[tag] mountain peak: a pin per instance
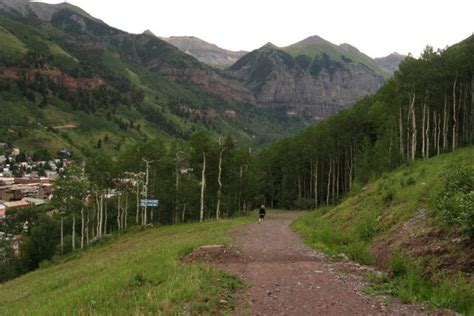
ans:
(148, 32)
(205, 52)
(314, 40)
(43, 11)
(269, 45)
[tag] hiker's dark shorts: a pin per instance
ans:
(262, 216)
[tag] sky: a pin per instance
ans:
(375, 27)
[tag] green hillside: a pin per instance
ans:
(136, 273)
(394, 222)
(67, 85)
(316, 47)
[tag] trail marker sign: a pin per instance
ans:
(149, 203)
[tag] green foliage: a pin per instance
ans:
(9, 265)
(409, 284)
(364, 218)
(40, 244)
(455, 199)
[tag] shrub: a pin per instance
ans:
(388, 197)
(367, 227)
(455, 201)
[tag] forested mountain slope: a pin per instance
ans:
(311, 78)
(70, 80)
(426, 109)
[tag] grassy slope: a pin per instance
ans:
(137, 273)
(250, 127)
(9, 44)
(394, 212)
(336, 53)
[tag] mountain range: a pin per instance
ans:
(60, 66)
(205, 52)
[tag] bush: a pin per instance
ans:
(455, 200)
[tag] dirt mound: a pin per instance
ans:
(215, 254)
(443, 250)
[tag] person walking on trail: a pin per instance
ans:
(261, 213)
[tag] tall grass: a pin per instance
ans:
(138, 273)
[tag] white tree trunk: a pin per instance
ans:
(73, 231)
(316, 167)
(119, 223)
(454, 115)
(203, 186)
(414, 128)
(183, 214)
(329, 183)
(137, 215)
(423, 124)
(82, 227)
(62, 234)
(427, 133)
(219, 182)
(445, 123)
(400, 128)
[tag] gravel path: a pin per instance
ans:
(288, 278)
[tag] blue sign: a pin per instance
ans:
(149, 203)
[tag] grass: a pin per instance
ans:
(376, 212)
(137, 273)
(9, 44)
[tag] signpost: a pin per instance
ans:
(149, 203)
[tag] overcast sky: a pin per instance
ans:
(376, 27)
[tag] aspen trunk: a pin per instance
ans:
(329, 183)
(423, 124)
(414, 129)
(454, 127)
(219, 182)
(203, 185)
(126, 211)
(316, 184)
(137, 215)
(337, 178)
(82, 227)
(351, 166)
(119, 223)
(62, 234)
(73, 231)
(333, 182)
(445, 123)
(105, 213)
(183, 214)
(427, 133)
(400, 128)
(87, 227)
(438, 136)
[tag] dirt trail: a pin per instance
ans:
(288, 278)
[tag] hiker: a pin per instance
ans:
(261, 213)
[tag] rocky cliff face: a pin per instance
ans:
(318, 87)
(205, 52)
(390, 63)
